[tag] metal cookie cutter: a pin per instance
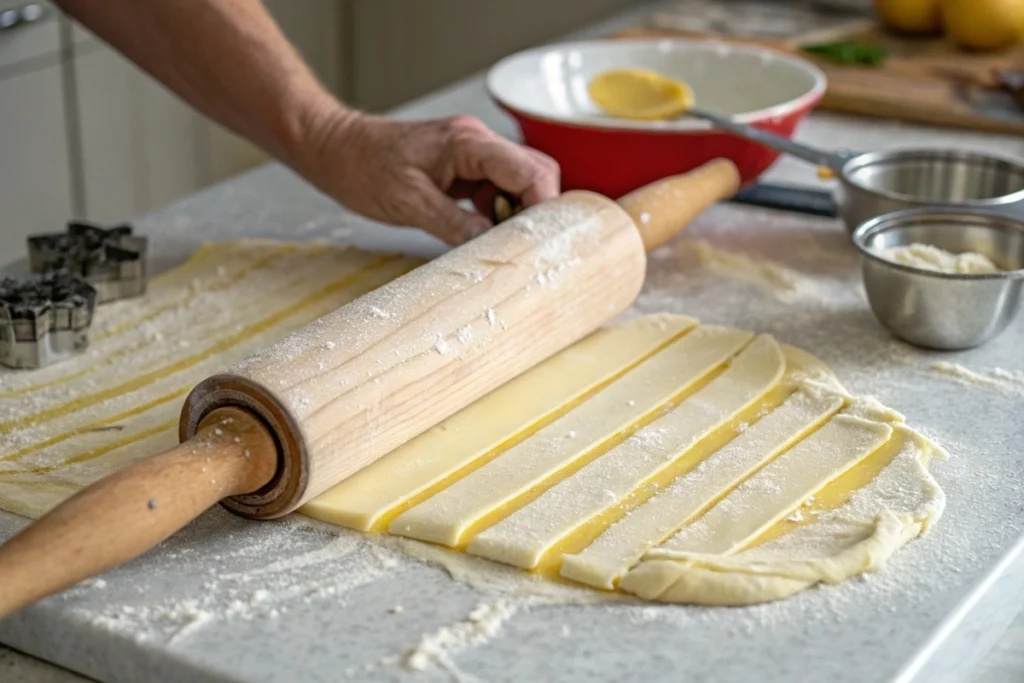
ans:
(111, 260)
(44, 318)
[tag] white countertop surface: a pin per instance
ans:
(1005, 663)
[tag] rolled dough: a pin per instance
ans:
(706, 466)
(524, 536)
(612, 553)
(446, 517)
(675, 461)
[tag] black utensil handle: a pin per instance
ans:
(788, 198)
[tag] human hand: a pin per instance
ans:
(410, 173)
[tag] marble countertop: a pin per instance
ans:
(931, 615)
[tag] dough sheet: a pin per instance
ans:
(660, 457)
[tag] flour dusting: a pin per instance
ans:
(996, 380)
(783, 282)
(480, 626)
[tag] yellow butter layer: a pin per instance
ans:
(679, 499)
(453, 515)
(524, 537)
(429, 463)
(681, 452)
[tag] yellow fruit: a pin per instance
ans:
(984, 24)
(910, 16)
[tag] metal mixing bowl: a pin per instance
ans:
(877, 183)
(943, 310)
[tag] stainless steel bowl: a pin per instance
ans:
(877, 183)
(943, 310)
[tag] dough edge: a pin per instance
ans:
(722, 580)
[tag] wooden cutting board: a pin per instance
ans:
(925, 80)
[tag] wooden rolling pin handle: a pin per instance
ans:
(662, 209)
(132, 511)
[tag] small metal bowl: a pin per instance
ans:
(877, 183)
(947, 311)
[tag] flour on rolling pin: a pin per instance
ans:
(363, 380)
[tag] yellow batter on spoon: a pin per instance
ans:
(646, 95)
(640, 94)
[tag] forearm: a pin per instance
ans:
(227, 59)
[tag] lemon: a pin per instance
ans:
(983, 24)
(910, 16)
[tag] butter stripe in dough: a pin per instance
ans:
(144, 315)
(300, 311)
(445, 517)
(193, 326)
(366, 499)
(522, 538)
(779, 487)
(612, 553)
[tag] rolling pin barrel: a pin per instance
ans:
(361, 381)
(287, 423)
(372, 375)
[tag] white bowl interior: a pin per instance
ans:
(747, 82)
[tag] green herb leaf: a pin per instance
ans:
(849, 53)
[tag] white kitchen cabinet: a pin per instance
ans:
(106, 122)
(142, 147)
(139, 142)
(35, 176)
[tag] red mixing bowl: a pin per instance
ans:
(545, 90)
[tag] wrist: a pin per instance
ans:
(302, 123)
(321, 151)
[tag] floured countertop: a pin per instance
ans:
(295, 600)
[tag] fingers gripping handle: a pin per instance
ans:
(662, 209)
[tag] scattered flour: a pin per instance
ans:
(783, 282)
(480, 626)
(442, 346)
(344, 561)
(997, 379)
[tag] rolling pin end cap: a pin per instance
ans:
(286, 489)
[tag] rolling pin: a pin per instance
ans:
(287, 423)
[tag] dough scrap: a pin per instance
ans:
(447, 516)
